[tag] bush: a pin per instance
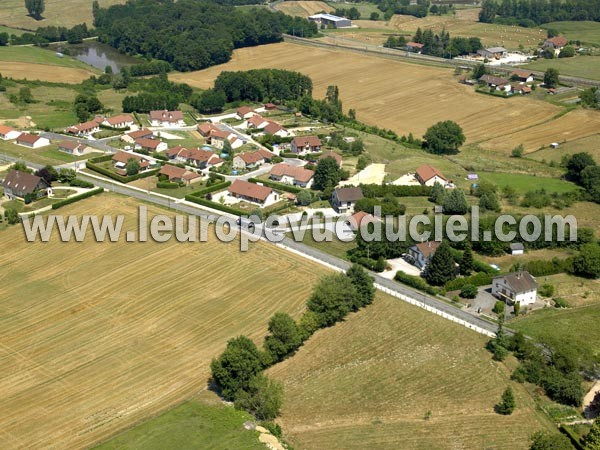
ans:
(263, 398)
(560, 302)
(68, 201)
(499, 307)
(546, 290)
(120, 178)
(278, 186)
(468, 291)
(415, 282)
(167, 185)
(478, 279)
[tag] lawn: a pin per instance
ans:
(578, 66)
(10, 31)
(523, 183)
(44, 155)
(191, 425)
(38, 55)
(105, 335)
(334, 247)
(372, 381)
(585, 31)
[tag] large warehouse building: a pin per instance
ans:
(325, 20)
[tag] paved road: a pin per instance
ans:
(101, 144)
(311, 252)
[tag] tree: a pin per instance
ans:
(4, 38)
(507, 403)
(374, 15)
(576, 163)
(332, 298)
(592, 439)
(551, 77)
(363, 283)
(25, 95)
(327, 174)
(468, 291)
(518, 151)
(304, 197)
(227, 148)
(236, 366)
(587, 263)
(441, 266)
(132, 167)
(11, 215)
(567, 51)
(444, 138)
(466, 261)
(489, 202)
(209, 101)
(590, 180)
(263, 398)
(543, 440)
(437, 193)
(479, 70)
(48, 174)
(284, 337)
(35, 8)
(455, 202)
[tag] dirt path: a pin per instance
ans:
(587, 400)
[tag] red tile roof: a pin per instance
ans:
(123, 157)
(27, 138)
(151, 144)
(297, 173)
(427, 172)
(121, 118)
(6, 129)
(273, 127)
(428, 248)
(558, 41)
(414, 44)
(250, 190)
(166, 116)
(302, 141)
(250, 157)
(143, 133)
(243, 110)
(206, 128)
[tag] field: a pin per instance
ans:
(303, 8)
(370, 85)
(61, 13)
(124, 331)
(370, 381)
(578, 66)
(523, 183)
(585, 31)
(34, 63)
(590, 144)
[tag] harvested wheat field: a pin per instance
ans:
(373, 380)
(302, 8)
(45, 72)
(397, 95)
(96, 337)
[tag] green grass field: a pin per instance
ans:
(577, 66)
(10, 31)
(365, 9)
(586, 31)
(523, 183)
(44, 155)
(37, 55)
(191, 425)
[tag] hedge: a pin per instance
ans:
(479, 279)
(290, 155)
(76, 198)
(572, 435)
(76, 182)
(102, 158)
(207, 190)
(116, 176)
(167, 185)
(378, 190)
(275, 185)
(543, 267)
(214, 205)
(415, 282)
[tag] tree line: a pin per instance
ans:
(237, 372)
(191, 34)
(46, 35)
(156, 93)
(441, 45)
(529, 13)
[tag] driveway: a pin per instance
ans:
(399, 264)
(372, 174)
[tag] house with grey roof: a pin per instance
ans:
(18, 184)
(344, 199)
(515, 287)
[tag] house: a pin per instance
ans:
(18, 184)
(517, 248)
(516, 287)
(206, 128)
(360, 219)
(194, 157)
(166, 118)
(72, 147)
(254, 193)
(306, 144)
(248, 160)
(179, 174)
(150, 145)
(414, 47)
(294, 175)
(85, 128)
(522, 89)
(270, 106)
(8, 133)
(275, 129)
(131, 137)
(420, 253)
(329, 20)
(499, 83)
(257, 122)
(218, 137)
(555, 43)
(32, 140)
(524, 76)
(344, 199)
(120, 121)
(334, 155)
(244, 112)
(428, 175)
(492, 52)
(120, 160)
(266, 154)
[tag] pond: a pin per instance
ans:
(98, 55)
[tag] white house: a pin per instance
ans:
(166, 118)
(253, 193)
(73, 147)
(244, 112)
(428, 175)
(517, 248)
(288, 174)
(344, 199)
(150, 145)
(119, 121)
(419, 254)
(8, 133)
(515, 287)
(32, 140)
(248, 160)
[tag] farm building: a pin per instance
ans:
(499, 83)
(344, 199)
(517, 248)
(8, 133)
(166, 118)
(493, 52)
(420, 253)
(555, 43)
(524, 76)
(32, 140)
(306, 144)
(254, 193)
(329, 20)
(297, 176)
(414, 47)
(515, 287)
(428, 175)
(18, 184)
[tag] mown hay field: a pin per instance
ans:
(95, 337)
(410, 98)
(303, 8)
(64, 13)
(370, 382)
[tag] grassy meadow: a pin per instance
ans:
(587, 32)
(577, 66)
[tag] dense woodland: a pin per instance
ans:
(191, 34)
(535, 12)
